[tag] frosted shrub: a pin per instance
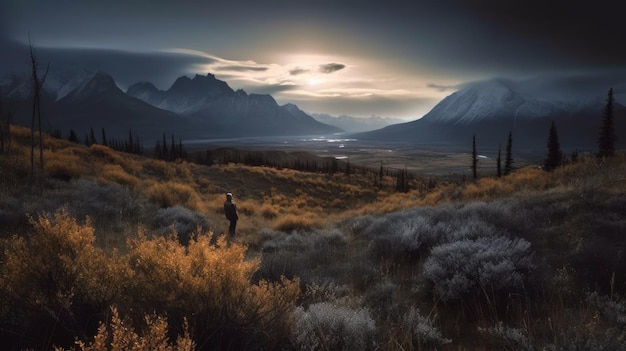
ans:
(406, 232)
(507, 338)
(182, 220)
(295, 254)
(110, 206)
(465, 267)
(613, 310)
(325, 326)
(423, 332)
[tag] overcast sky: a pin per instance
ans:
(357, 57)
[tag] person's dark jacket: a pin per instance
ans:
(230, 210)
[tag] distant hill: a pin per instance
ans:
(492, 108)
(356, 124)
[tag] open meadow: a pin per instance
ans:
(106, 250)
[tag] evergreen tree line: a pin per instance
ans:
(132, 144)
(173, 152)
(555, 157)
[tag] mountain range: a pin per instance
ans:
(491, 109)
(204, 107)
(199, 108)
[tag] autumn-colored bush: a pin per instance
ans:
(211, 286)
(159, 168)
(55, 280)
(56, 284)
(115, 173)
(171, 193)
(291, 222)
(120, 335)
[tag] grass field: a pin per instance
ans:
(530, 261)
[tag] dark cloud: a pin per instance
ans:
(160, 68)
(243, 68)
(331, 67)
(444, 87)
(298, 71)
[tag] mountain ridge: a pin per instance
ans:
(491, 109)
(202, 107)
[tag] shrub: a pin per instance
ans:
(303, 254)
(407, 233)
(324, 326)
(122, 336)
(170, 194)
(503, 337)
(111, 207)
(55, 280)
(182, 221)
(291, 222)
(210, 284)
(471, 267)
(423, 332)
(64, 165)
(116, 174)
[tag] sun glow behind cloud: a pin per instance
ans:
(319, 83)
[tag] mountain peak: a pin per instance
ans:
(200, 87)
(99, 84)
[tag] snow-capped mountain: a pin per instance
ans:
(493, 99)
(202, 107)
(490, 109)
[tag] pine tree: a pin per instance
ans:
(606, 142)
(499, 162)
(554, 150)
(474, 158)
(508, 161)
(73, 137)
(92, 138)
(104, 138)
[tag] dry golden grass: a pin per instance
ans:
(170, 194)
(116, 174)
(291, 222)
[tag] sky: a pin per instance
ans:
(361, 58)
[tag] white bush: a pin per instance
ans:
(468, 266)
(508, 338)
(422, 329)
(182, 220)
(324, 326)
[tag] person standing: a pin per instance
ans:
(230, 210)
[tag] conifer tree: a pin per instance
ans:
(104, 138)
(73, 137)
(92, 138)
(508, 161)
(474, 158)
(499, 162)
(554, 150)
(606, 142)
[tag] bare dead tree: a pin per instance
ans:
(5, 133)
(37, 86)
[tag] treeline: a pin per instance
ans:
(132, 144)
(555, 156)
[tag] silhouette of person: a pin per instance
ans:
(230, 210)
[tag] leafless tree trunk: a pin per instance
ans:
(37, 85)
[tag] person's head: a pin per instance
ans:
(229, 196)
